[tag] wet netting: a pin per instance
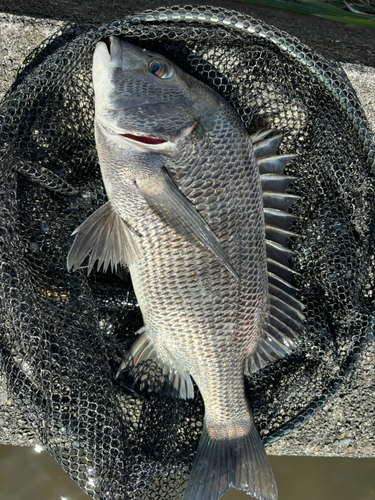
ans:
(63, 334)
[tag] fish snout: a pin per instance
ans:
(107, 53)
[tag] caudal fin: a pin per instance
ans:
(239, 463)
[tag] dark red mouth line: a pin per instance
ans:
(143, 139)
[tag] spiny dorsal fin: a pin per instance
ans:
(285, 317)
(280, 201)
(278, 218)
(274, 233)
(276, 182)
(277, 291)
(279, 269)
(278, 253)
(281, 283)
(274, 164)
(267, 147)
(260, 135)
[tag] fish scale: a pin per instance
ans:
(200, 328)
(196, 250)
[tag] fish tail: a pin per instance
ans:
(239, 463)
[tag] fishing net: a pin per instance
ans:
(63, 334)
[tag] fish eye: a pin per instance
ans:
(160, 68)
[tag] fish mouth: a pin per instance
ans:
(144, 139)
(142, 142)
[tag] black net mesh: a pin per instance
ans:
(63, 335)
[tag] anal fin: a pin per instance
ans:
(149, 367)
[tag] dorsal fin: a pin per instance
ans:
(276, 182)
(274, 164)
(274, 233)
(278, 218)
(280, 201)
(267, 147)
(284, 321)
(278, 252)
(260, 136)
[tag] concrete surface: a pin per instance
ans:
(345, 426)
(19, 35)
(332, 39)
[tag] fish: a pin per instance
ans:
(198, 213)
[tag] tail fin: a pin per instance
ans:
(239, 463)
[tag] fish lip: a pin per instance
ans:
(114, 47)
(120, 133)
(169, 143)
(108, 53)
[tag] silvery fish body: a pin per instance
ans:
(186, 215)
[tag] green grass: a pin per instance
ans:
(358, 13)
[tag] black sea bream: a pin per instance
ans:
(186, 215)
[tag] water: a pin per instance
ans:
(28, 475)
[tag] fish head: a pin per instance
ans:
(143, 101)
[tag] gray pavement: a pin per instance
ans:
(333, 39)
(345, 426)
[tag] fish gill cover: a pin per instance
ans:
(63, 335)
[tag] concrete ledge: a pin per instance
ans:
(344, 427)
(333, 39)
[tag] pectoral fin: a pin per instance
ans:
(172, 206)
(107, 238)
